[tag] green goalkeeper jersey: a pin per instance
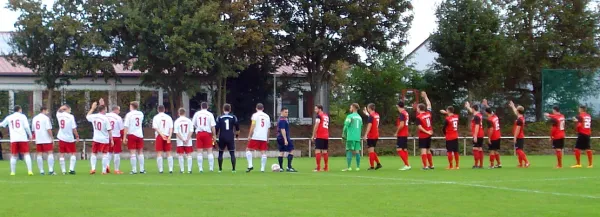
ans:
(352, 127)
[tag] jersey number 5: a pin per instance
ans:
(262, 122)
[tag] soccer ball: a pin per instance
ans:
(275, 168)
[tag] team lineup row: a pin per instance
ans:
(111, 132)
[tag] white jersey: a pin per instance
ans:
(184, 127)
(40, 126)
(66, 125)
(262, 123)
(163, 123)
(18, 127)
(101, 127)
(116, 123)
(204, 121)
(133, 122)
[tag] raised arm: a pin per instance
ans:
(426, 99)
(468, 107)
(514, 109)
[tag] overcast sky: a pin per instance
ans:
(423, 23)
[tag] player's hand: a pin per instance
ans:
(430, 132)
(94, 105)
(77, 140)
(575, 119)
(475, 139)
(285, 142)
(515, 140)
(511, 104)
(168, 140)
(125, 140)
(489, 141)
(467, 105)
(365, 111)
(101, 101)
(443, 111)
(546, 114)
(423, 94)
(364, 137)
(163, 137)
(484, 102)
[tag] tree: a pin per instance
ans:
(53, 44)
(470, 48)
(547, 34)
(317, 34)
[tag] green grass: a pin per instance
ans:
(536, 191)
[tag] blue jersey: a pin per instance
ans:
(283, 124)
(225, 127)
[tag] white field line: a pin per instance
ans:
(486, 186)
(423, 181)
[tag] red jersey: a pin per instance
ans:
(558, 126)
(584, 124)
(424, 120)
(323, 127)
(374, 121)
(451, 127)
(494, 127)
(477, 120)
(521, 123)
(403, 117)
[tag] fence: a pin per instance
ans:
(437, 151)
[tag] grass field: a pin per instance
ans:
(536, 191)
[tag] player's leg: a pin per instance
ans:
(131, 146)
(496, 144)
(290, 156)
(158, 146)
(50, 154)
(252, 145)
(263, 158)
(349, 147)
(93, 159)
(356, 152)
(558, 145)
(430, 157)
(39, 154)
(231, 149)
(200, 159)
(180, 157)
(140, 149)
(105, 160)
(588, 150)
(221, 145)
(449, 152)
(318, 156)
(282, 149)
(72, 150)
(211, 158)
(117, 149)
(167, 149)
(189, 151)
(25, 151)
(14, 153)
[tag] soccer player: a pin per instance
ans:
(258, 135)
(42, 129)
(184, 128)
(584, 131)
(557, 133)
(425, 131)
(204, 122)
(477, 133)
(284, 142)
(372, 135)
(402, 135)
(116, 123)
(351, 133)
(494, 137)
(519, 135)
(102, 136)
(134, 136)
(163, 128)
(226, 124)
(451, 132)
(320, 136)
(20, 136)
(67, 137)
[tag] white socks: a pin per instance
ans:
(189, 163)
(211, 161)
(141, 159)
(200, 162)
(13, 164)
(133, 161)
(72, 163)
(51, 163)
(159, 163)
(105, 162)
(61, 161)
(170, 162)
(117, 158)
(27, 162)
(249, 158)
(181, 166)
(263, 162)
(40, 163)
(93, 162)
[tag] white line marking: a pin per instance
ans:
(530, 191)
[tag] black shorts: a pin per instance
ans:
(226, 143)
(452, 145)
(583, 142)
(494, 145)
(371, 143)
(285, 148)
(322, 144)
(479, 142)
(520, 144)
(425, 143)
(402, 142)
(558, 143)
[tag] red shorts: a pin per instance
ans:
(19, 147)
(117, 146)
(257, 145)
(162, 145)
(44, 147)
(134, 142)
(204, 140)
(99, 147)
(184, 149)
(66, 147)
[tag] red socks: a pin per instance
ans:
(430, 159)
(404, 156)
(559, 158)
(371, 159)
(578, 156)
(318, 161)
(424, 160)
(498, 159)
(456, 157)
(522, 157)
(590, 156)
(492, 158)
(450, 156)
(478, 156)
(326, 158)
